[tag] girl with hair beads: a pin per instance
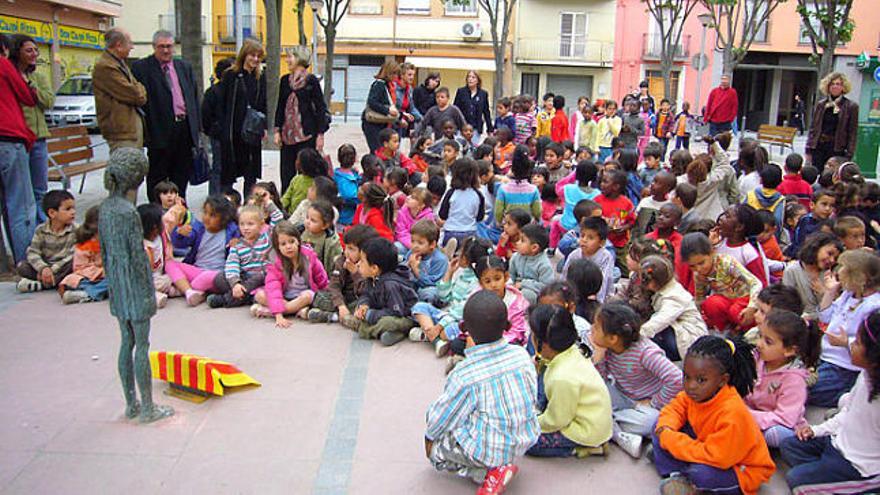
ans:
(463, 206)
(245, 269)
(417, 207)
(848, 300)
(86, 282)
(586, 276)
(310, 164)
(322, 189)
(739, 227)
(266, 195)
(724, 290)
(706, 439)
(208, 244)
(376, 210)
(640, 379)
(787, 346)
(395, 183)
(675, 322)
(841, 455)
(319, 234)
(372, 169)
(518, 192)
(576, 409)
(291, 280)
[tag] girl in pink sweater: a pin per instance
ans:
(787, 345)
(492, 273)
(291, 280)
(417, 207)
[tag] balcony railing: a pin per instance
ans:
(168, 22)
(252, 27)
(652, 47)
(563, 51)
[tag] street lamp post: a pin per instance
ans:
(238, 22)
(316, 6)
(706, 21)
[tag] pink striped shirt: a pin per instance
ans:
(642, 372)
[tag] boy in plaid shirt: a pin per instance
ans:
(486, 416)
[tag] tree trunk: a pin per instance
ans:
(666, 71)
(188, 16)
(330, 44)
(728, 63)
(300, 22)
(273, 58)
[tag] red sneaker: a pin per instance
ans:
(497, 479)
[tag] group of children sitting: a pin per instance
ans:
(642, 300)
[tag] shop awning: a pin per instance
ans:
(452, 63)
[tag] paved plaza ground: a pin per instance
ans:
(334, 414)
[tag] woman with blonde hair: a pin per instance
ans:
(243, 87)
(381, 110)
(301, 117)
(835, 122)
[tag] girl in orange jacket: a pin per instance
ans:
(706, 439)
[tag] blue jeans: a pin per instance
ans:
(436, 314)
(553, 445)
(716, 128)
(833, 382)
(19, 207)
(703, 476)
(458, 235)
(96, 290)
(816, 461)
(775, 435)
(214, 186)
(39, 162)
(666, 341)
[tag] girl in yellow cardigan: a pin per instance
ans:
(706, 439)
(576, 417)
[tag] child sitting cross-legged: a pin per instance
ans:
(322, 189)
(640, 379)
(649, 207)
(706, 440)
(245, 269)
(594, 232)
(86, 282)
(494, 385)
(416, 208)
(514, 221)
(840, 455)
(572, 190)
(440, 326)
(291, 280)
(575, 407)
(158, 249)
(383, 310)
(320, 234)
(530, 268)
(787, 346)
(337, 302)
(427, 263)
(50, 253)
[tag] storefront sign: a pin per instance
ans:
(42, 32)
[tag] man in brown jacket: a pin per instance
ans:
(118, 95)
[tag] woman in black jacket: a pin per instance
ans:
(243, 85)
(212, 123)
(423, 96)
(473, 101)
(301, 117)
(380, 101)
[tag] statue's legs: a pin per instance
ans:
(126, 368)
(149, 411)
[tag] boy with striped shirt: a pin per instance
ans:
(245, 268)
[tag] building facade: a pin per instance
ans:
(434, 35)
(565, 47)
(69, 32)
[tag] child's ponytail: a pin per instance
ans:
(388, 211)
(869, 333)
(735, 357)
(795, 331)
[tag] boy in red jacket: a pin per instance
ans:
(559, 125)
(793, 183)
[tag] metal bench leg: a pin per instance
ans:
(82, 183)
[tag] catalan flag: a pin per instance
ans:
(197, 372)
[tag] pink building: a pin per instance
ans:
(637, 56)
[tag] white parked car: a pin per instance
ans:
(74, 104)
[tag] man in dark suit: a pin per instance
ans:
(171, 113)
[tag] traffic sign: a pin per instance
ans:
(700, 61)
(877, 75)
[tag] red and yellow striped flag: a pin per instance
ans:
(197, 372)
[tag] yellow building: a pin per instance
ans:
(568, 52)
(253, 19)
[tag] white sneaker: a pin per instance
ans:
(28, 285)
(441, 347)
(260, 311)
(195, 297)
(161, 300)
(629, 443)
(75, 297)
(416, 334)
(452, 362)
(450, 247)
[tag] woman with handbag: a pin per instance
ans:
(244, 122)
(835, 122)
(301, 117)
(381, 110)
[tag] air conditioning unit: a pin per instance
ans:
(471, 31)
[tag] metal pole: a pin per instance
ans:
(314, 41)
(238, 19)
(703, 60)
(54, 53)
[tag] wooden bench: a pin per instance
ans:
(71, 154)
(774, 135)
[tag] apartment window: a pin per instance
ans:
(456, 7)
(756, 17)
(573, 34)
(655, 85)
(365, 7)
(803, 34)
(414, 6)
